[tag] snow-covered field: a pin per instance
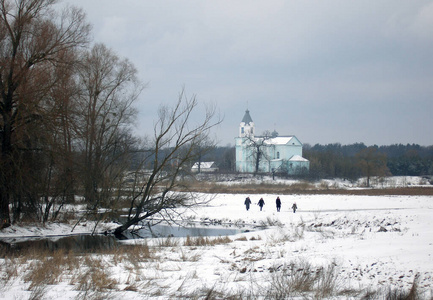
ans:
(368, 243)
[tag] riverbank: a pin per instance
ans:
(361, 244)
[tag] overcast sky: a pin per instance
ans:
(325, 71)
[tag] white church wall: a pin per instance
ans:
(277, 154)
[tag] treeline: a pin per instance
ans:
(412, 160)
(345, 161)
(350, 161)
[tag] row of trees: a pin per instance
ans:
(368, 161)
(351, 161)
(37, 59)
(347, 161)
(66, 116)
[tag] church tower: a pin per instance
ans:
(246, 128)
(243, 152)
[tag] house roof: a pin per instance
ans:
(282, 140)
(247, 118)
(279, 140)
(203, 165)
(297, 158)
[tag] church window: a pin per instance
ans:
(278, 155)
(242, 130)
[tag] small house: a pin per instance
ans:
(204, 167)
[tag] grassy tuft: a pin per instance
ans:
(9, 270)
(301, 279)
(95, 278)
(205, 241)
(258, 238)
(138, 252)
(167, 242)
(48, 269)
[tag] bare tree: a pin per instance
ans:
(105, 112)
(60, 176)
(173, 149)
(259, 149)
(372, 163)
(32, 39)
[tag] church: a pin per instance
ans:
(269, 153)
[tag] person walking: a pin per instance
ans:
(261, 203)
(294, 207)
(278, 202)
(247, 203)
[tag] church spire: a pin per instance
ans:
(246, 128)
(247, 118)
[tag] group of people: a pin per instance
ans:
(261, 203)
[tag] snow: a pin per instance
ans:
(281, 140)
(297, 158)
(203, 164)
(375, 242)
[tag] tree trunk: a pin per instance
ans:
(258, 160)
(6, 165)
(5, 219)
(118, 232)
(4, 209)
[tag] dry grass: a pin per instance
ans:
(9, 269)
(38, 292)
(270, 222)
(258, 238)
(92, 276)
(302, 187)
(298, 232)
(167, 242)
(43, 268)
(191, 258)
(249, 188)
(95, 276)
(205, 241)
(300, 279)
(138, 253)
(133, 256)
(413, 293)
(49, 269)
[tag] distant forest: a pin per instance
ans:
(349, 161)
